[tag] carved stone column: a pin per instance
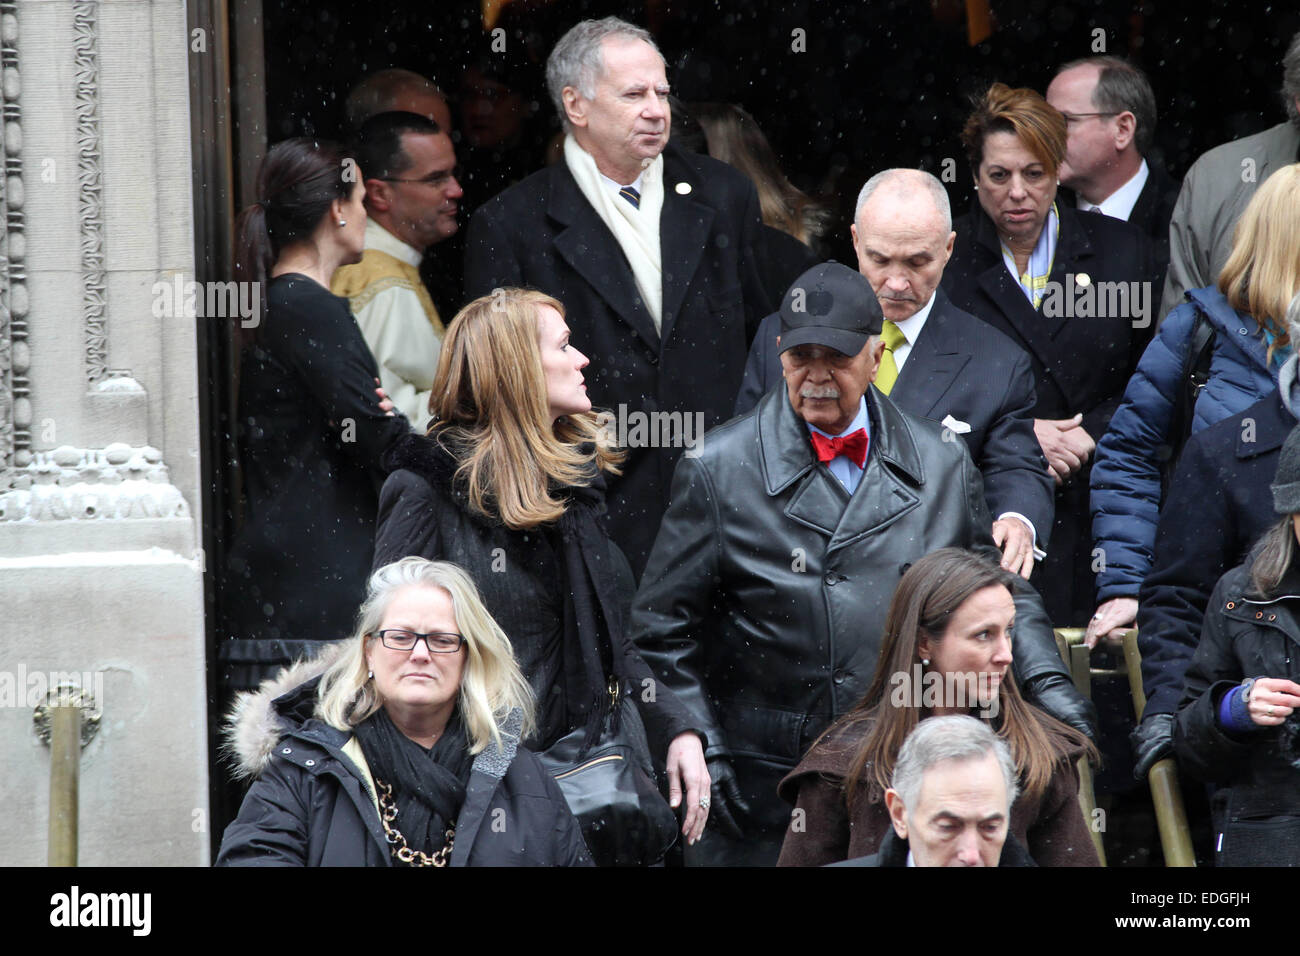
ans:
(100, 570)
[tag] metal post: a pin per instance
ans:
(65, 766)
(66, 720)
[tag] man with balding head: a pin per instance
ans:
(397, 91)
(940, 363)
(1110, 122)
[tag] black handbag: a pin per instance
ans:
(612, 792)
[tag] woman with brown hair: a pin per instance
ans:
(1074, 289)
(509, 484)
(946, 650)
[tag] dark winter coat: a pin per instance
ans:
(893, 852)
(313, 800)
(543, 233)
(1127, 470)
(1080, 364)
(764, 598)
(518, 573)
(1256, 810)
(1218, 505)
(1051, 826)
(311, 435)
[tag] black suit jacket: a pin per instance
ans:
(1150, 214)
(1080, 364)
(543, 233)
(958, 367)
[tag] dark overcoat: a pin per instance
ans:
(543, 233)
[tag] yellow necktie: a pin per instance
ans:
(887, 374)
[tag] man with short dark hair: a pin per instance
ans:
(1218, 188)
(1110, 121)
(409, 166)
(950, 803)
(648, 247)
(763, 600)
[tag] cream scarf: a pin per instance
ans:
(637, 230)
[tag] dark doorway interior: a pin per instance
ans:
(842, 89)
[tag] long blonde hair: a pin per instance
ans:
(491, 685)
(1262, 273)
(490, 411)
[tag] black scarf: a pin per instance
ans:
(590, 588)
(428, 785)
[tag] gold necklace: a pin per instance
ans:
(399, 847)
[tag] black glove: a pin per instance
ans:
(1153, 741)
(1057, 695)
(728, 809)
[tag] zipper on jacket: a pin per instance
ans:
(589, 764)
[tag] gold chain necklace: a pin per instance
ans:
(399, 847)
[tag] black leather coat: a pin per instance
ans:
(1256, 809)
(766, 591)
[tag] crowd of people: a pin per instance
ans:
(684, 545)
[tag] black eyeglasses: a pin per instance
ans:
(1075, 117)
(438, 642)
(433, 179)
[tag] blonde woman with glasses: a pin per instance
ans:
(399, 746)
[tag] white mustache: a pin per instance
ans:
(819, 391)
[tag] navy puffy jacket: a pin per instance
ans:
(1126, 474)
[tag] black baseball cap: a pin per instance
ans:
(830, 305)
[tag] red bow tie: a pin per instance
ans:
(853, 446)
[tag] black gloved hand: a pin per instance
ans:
(1152, 741)
(1057, 695)
(728, 809)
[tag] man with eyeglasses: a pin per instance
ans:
(412, 199)
(1110, 121)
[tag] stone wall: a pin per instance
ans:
(100, 566)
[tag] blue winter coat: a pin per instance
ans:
(1126, 474)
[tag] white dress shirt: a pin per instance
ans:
(1120, 203)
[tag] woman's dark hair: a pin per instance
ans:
(926, 598)
(296, 183)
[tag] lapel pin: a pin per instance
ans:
(1082, 280)
(683, 189)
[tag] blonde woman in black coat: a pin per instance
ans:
(509, 484)
(399, 747)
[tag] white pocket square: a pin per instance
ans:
(950, 423)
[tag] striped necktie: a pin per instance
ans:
(631, 195)
(887, 374)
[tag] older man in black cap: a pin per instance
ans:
(787, 532)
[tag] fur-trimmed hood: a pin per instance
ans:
(259, 718)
